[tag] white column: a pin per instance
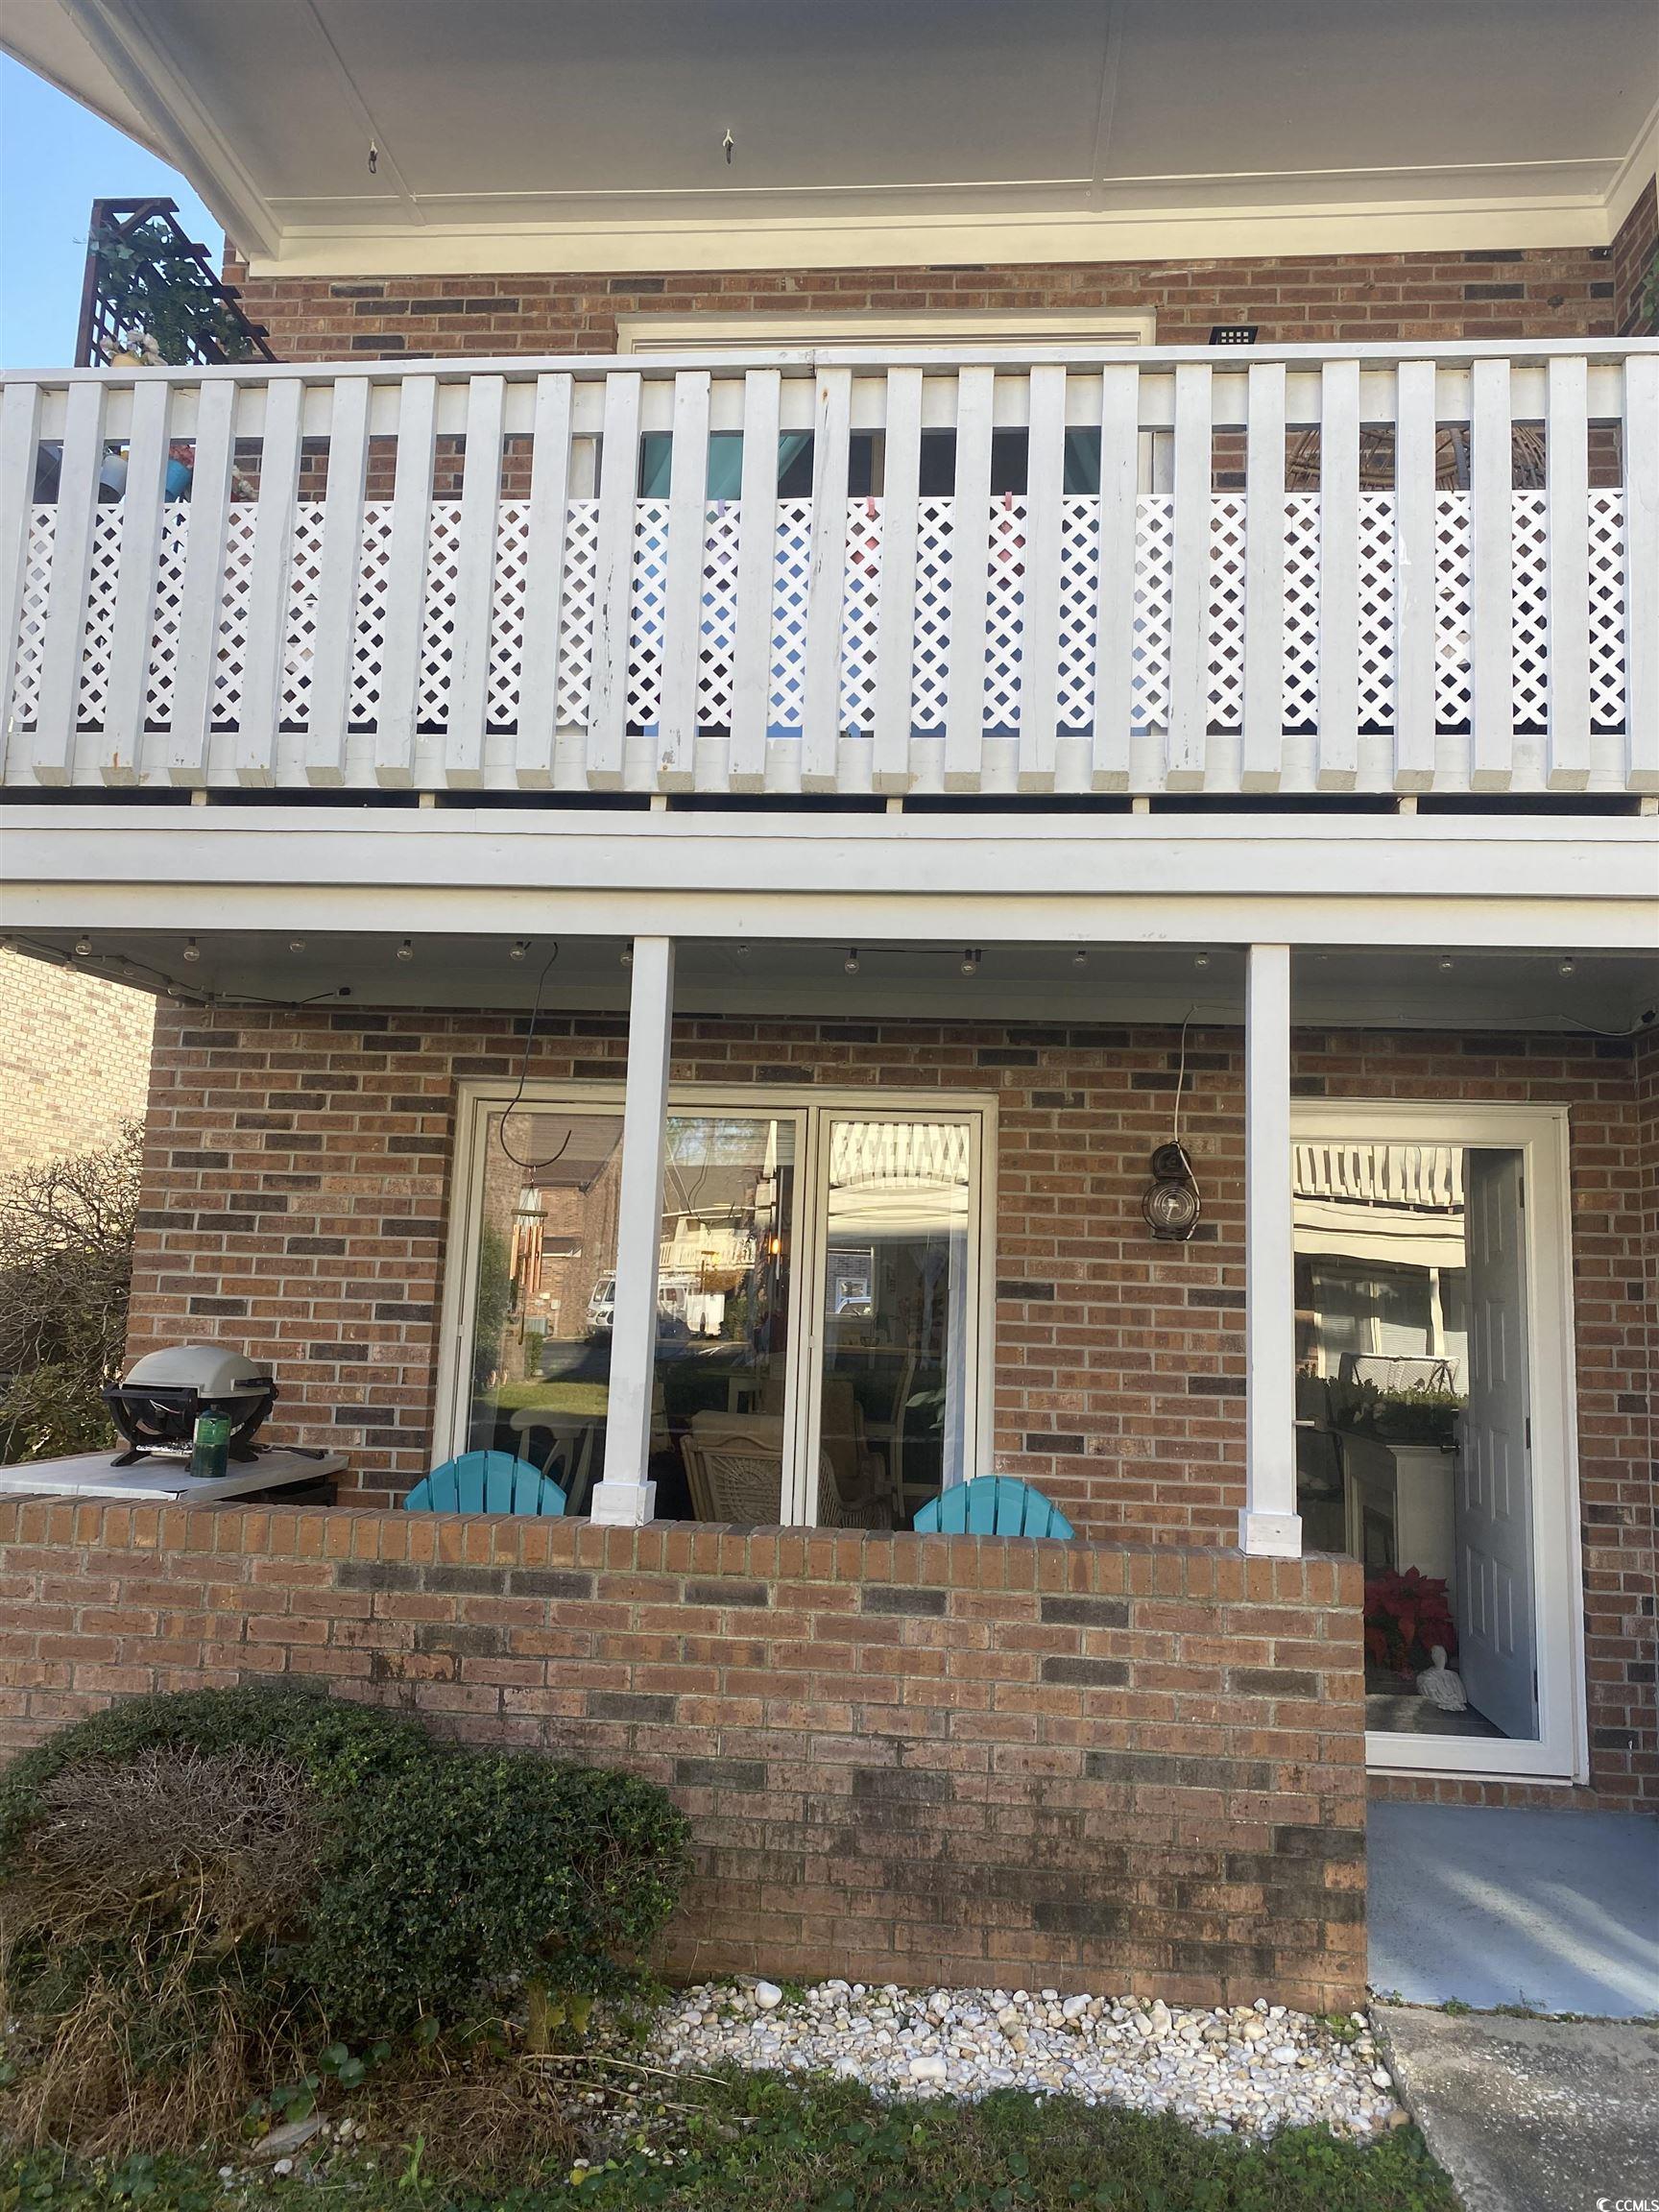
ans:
(626, 1494)
(1270, 1523)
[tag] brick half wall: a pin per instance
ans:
(905, 1758)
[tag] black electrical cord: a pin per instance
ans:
(531, 1166)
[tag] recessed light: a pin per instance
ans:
(849, 966)
(1565, 967)
(83, 948)
(971, 960)
(192, 951)
(406, 950)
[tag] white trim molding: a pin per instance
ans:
(820, 327)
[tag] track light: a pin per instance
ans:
(971, 960)
(296, 944)
(518, 947)
(627, 955)
(849, 966)
(83, 948)
(1565, 967)
(1080, 958)
(1446, 962)
(1200, 959)
(406, 950)
(192, 951)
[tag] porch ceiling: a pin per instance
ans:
(586, 123)
(1479, 990)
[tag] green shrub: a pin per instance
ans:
(190, 1883)
(481, 1869)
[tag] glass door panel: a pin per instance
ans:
(721, 1403)
(544, 1295)
(1415, 1421)
(896, 1318)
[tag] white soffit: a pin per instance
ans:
(525, 134)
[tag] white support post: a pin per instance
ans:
(626, 1495)
(1270, 1523)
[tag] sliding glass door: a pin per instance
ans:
(818, 1303)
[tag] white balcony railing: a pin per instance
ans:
(1297, 571)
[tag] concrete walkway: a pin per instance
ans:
(1556, 1912)
(1531, 2115)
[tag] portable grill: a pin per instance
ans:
(164, 1394)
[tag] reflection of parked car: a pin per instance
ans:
(671, 1325)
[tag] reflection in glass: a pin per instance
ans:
(544, 1301)
(1412, 1422)
(893, 1398)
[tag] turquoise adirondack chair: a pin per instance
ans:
(485, 1483)
(993, 1505)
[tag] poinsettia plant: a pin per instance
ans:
(1406, 1615)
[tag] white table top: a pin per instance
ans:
(164, 1478)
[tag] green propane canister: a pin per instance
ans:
(210, 1445)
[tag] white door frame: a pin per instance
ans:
(809, 1109)
(1540, 1134)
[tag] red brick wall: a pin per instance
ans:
(1554, 292)
(1633, 263)
(297, 1186)
(908, 1759)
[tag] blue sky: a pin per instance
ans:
(56, 158)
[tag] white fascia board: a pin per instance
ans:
(1352, 881)
(1635, 173)
(178, 124)
(640, 246)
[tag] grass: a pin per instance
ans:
(750, 2141)
(588, 1399)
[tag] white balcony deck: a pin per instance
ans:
(324, 610)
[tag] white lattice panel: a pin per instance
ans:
(1224, 635)
(1003, 532)
(1530, 611)
(1079, 587)
(717, 622)
(930, 653)
(241, 528)
(1375, 613)
(299, 634)
(35, 598)
(647, 611)
(368, 633)
(791, 566)
(173, 545)
(1299, 697)
(1004, 543)
(507, 613)
(1607, 610)
(98, 624)
(576, 612)
(1453, 610)
(1154, 559)
(438, 620)
(861, 613)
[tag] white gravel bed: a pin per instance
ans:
(1249, 2070)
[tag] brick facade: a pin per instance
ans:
(1534, 292)
(1635, 263)
(73, 1060)
(907, 1759)
(297, 1195)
